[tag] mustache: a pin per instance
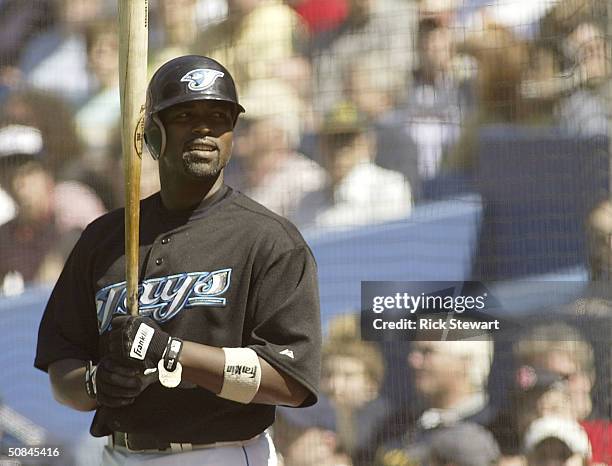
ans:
(200, 143)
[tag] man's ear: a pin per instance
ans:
(236, 115)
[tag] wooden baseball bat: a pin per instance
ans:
(133, 40)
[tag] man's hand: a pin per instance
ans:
(137, 341)
(118, 385)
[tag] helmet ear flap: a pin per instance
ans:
(155, 137)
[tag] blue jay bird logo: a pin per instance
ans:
(201, 78)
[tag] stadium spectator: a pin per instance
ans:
(372, 25)
(464, 444)
(34, 244)
(271, 171)
(442, 96)
(450, 377)
(540, 393)
(56, 61)
(599, 240)
(418, 129)
(99, 115)
(54, 118)
(28, 240)
(256, 40)
(179, 30)
(562, 350)
(584, 111)
(502, 61)
(357, 192)
(451, 391)
(377, 91)
(20, 21)
(15, 140)
(308, 437)
(321, 16)
(535, 393)
(554, 441)
(63, 149)
(352, 373)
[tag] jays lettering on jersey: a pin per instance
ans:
(162, 298)
(228, 273)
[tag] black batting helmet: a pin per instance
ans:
(184, 79)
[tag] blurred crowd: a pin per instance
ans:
(352, 108)
(448, 410)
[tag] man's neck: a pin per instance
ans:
(459, 408)
(189, 195)
(452, 399)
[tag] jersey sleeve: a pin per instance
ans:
(287, 328)
(69, 329)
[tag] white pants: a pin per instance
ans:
(259, 453)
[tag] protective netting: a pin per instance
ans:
(431, 140)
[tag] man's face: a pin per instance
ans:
(346, 381)
(103, 57)
(555, 401)
(579, 383)
(436, 369)
(590, 51)
(370, 100)
(259, 140)
(437, 49)
(342, 153)
(314, 447)
(199, 136)
(33, 191)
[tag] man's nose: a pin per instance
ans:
(415, 359)
(201, 128)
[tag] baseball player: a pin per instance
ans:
(229, 320)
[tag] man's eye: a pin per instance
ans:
(182, 115)
(423, 351)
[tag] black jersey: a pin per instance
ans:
(228, 274)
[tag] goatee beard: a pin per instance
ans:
(202, 169)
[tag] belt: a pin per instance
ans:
(143, 443)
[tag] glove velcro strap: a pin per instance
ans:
(172, 353)
(241, 375)
(90, 380)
